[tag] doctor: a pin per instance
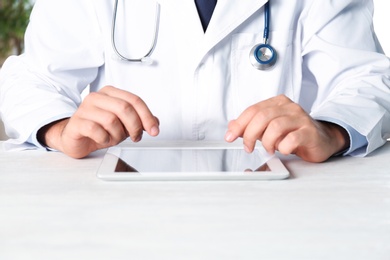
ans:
(327, 93)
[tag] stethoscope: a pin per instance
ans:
(145, 58)
(262, 56)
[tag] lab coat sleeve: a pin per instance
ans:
(351, 76)
(63, 51)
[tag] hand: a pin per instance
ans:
(283, 125)
(104, 119)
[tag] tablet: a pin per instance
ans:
(189, 162)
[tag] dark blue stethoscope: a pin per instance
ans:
(263, 56)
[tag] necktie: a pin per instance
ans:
(205, 11)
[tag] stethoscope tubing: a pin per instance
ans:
(262, 56)
(266, 22)
(153, 44)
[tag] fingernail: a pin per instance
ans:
(229, 136)
(138, 138)
(107, 140)
(154, 131)
(246, 148)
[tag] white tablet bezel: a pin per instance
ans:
(276, 169)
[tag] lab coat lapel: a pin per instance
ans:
(225, 19)
(189, 34)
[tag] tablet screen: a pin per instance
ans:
(190, 160)
(189, 163)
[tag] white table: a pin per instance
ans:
(53, 207)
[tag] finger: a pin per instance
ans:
(277, 121)
(236, 128)
(129, 119)
(258, 125)
(114, 115)
(291, 142)
(276, 131)
(233, 131)
(87, 129)
(108, 121)
(149, 122)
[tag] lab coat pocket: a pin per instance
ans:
(250, 85)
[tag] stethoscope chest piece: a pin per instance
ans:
(263, 56)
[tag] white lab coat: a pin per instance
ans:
(329, 61)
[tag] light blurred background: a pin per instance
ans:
(381, 26)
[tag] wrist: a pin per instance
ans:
(339, 137)
(50, 134)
